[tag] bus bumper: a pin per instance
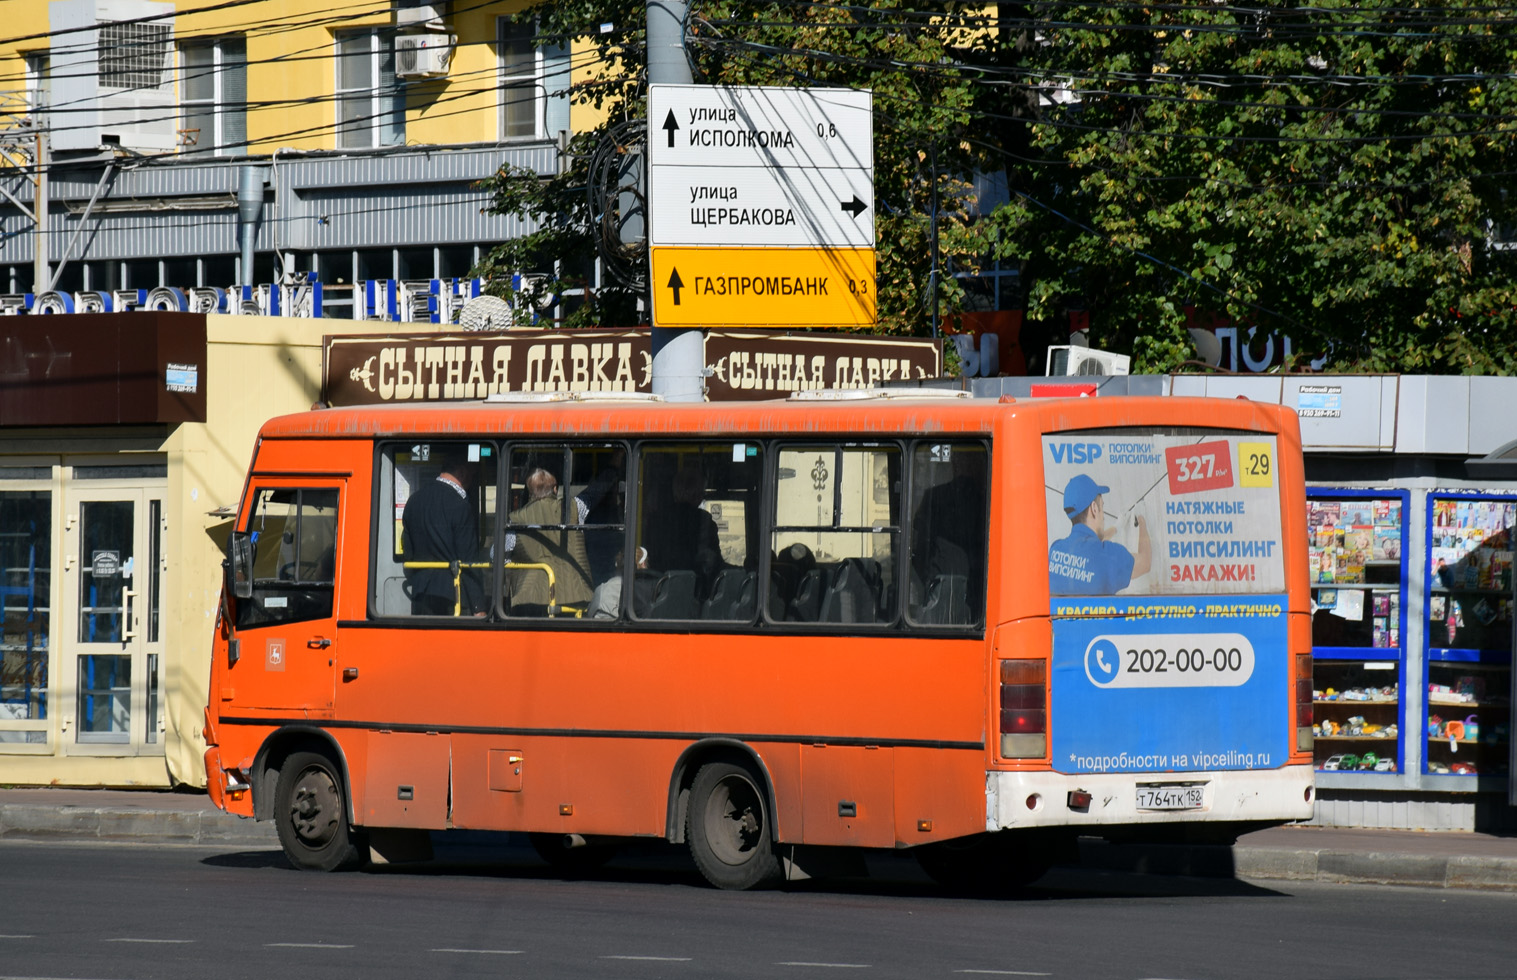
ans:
(1016, 800)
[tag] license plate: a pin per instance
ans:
(1170, 796)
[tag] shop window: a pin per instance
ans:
(376, 263)
(69, 278)
(1469, 633)
(1357, 567)
(218, 270)
(455, 262)
(26, 534)
(180, 272)
(415, 263)
(697, 512)
(142, 274)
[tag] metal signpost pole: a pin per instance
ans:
(678, 352)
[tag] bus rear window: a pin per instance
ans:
(1162, 512)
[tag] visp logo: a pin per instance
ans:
(1075, 452)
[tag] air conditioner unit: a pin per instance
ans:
(116, 77)
(423, 55)
(411, 13)
(1072, 361)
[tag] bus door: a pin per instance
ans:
(287, 628)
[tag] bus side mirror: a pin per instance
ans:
(239, 567)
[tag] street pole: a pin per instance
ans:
(42, 273)
(679, 354)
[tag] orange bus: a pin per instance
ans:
(773, 631)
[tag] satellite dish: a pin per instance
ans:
(1208, 347)
(486, 313)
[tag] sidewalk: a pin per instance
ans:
(1395, 857)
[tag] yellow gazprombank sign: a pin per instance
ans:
(792, 287)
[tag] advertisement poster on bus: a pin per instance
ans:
(1166, 578)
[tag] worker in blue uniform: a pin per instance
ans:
(1088, 561)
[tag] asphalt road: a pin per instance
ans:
(97, 911)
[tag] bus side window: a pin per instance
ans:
(565, 517)
(436, 501)
(294, 556)
(696, 509)
(836, 536)
(950, 500)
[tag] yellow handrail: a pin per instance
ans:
(458, 567)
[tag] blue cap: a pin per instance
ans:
(1080, 492)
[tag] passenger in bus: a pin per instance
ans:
(1088, 561)
(562, 551)
(681, 536)
(606, 602)
(440, 525)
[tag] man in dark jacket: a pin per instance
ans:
(441, 525)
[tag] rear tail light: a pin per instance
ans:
(1304, 716)
(1024, 709)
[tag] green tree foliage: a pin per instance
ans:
(1334, 173)
(923, 103)
(1326, 172)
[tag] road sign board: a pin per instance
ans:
(794, 206)
(760, 166)
(760, 126)
(794, 287)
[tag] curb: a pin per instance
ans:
(151, 826)
(1378, 868)
(1305, 864)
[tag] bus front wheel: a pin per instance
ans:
(311, 815)
(728, 828)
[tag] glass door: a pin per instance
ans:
(109, 638)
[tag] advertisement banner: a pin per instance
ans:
(1166, 578)
(1146, 513)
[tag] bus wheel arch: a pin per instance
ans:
(727, 811)
(277, 748)
(308, 795)
(688, 766)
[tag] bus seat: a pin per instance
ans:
(851, 597)
(747, 598)
(644, 584)
(393, 598)
(807, 604)
(674, 596)
(726, 594)
(783, 578)
(947, 601)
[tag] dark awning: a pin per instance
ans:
(1498, 464)
(102, 369)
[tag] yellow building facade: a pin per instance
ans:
(217, 161)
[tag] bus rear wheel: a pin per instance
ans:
(728, 828)
(311, 815)
(985, 864)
